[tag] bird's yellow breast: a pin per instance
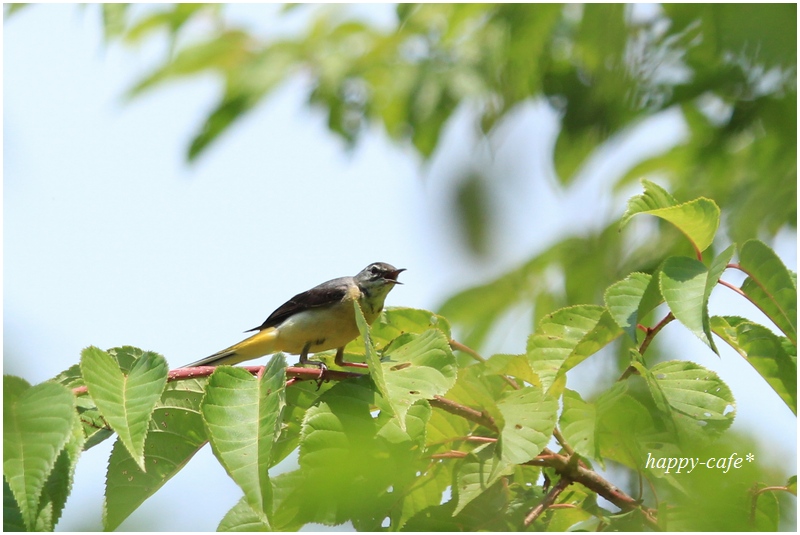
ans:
(324, 328)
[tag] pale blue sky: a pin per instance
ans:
(110, 238)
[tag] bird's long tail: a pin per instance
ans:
(260, 344)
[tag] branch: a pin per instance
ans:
(548, 501)
(295, 374)
(566, 466)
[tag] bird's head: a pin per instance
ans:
(378, 275)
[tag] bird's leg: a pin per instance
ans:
(339, 360)
(320, 365)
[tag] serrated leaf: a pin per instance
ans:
(243, 417)
(37, 423)
(765, 351)
(684, 282)
(12, 516)
(59, 483)
(421, 369)
(698, 220)
(479, 470)
(577, 424)
(241, 517)
(771, 286)
(652, 295)
(623, 300)
(396, 321)
(529, 417)
(176, 434)
(125, 401)
(700, 403)
(567, 337)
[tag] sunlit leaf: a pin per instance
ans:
(623, 300)
(697, 219)
(529, 417)
(567, 337)
(38, 421)
(241, 517)
(243, 416)
(176, 434)
(125, 401)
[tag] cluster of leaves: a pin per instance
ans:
(427, 441)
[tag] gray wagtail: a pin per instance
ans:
(319, 319)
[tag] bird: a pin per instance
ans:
(316, 320)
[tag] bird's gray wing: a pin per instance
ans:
(325, 294)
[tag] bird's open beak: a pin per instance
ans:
(392, 275)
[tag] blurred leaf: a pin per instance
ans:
(764, 351)
(770, 286)
(473, 213)
(697, 219)
(38, 421)
(114, 20)
(176, 434)
(766, 513)
(125, 401)
(243, 417)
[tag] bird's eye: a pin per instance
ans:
(374, 270)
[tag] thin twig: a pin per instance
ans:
(548, 501)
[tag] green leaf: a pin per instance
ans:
(345, 472)
(514, 366)
(529, 415)
(243, 418)
(37, 423)
(12, 516)
(623, 299)
(766, 513)
(771, 286)
(699, 403)
(125, 401)
(241, 517)
(418, 370)
(577, 424)
(59, 483)
(395, 321)
(479, 470)
(426, 492)
(764, 351)
(697, 219)
(176, 434)
(684, 285)
(566, 338)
